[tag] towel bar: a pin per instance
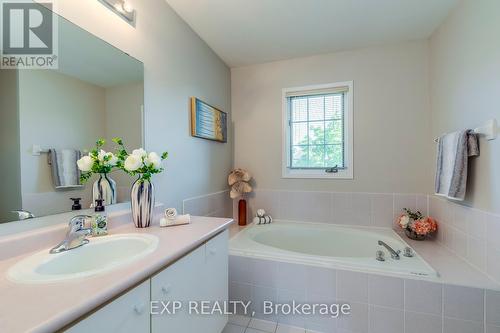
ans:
(489, 130)
(37, 150)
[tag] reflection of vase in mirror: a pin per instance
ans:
(104, 188)
(142, 198)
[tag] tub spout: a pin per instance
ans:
(394, 254)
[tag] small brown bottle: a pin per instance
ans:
(242, 212)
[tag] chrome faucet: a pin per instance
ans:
(76, 235)
(394, 254)
(24, 214)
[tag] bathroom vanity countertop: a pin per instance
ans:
(50, 307)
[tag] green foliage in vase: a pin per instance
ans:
(97, 161)
(139, 162)
(413, 215)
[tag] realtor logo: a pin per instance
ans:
(28, 35)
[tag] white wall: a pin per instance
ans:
(55, 111)
(10, 191)
(60, 111)
(465, 88)
(123, 119)
(392, 144)
(177, 65)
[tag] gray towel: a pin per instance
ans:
(454, 150)
(65, 173)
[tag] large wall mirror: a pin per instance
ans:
(97, 92)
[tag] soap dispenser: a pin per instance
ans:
(76, 204)
(100, 220)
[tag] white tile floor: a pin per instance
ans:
(242, 324)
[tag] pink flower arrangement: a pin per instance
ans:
(416, 226)
(424, 226)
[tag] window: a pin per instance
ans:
(317, 122)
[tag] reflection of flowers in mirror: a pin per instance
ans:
(97, 161)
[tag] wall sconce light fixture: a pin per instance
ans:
(122, 8)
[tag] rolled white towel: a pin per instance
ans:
(171, 213)
(179, 220)
(261, 212)
(183, 219)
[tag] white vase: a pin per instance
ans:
(104, 188)
(142, 199)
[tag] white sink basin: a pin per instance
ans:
(100, 255)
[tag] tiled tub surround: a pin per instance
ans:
(380, 304)
(356, 208)
(329, 245)
(217, 204)
(471, 234)
(465, 298)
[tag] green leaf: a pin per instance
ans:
(118, 141)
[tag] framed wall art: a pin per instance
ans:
(208, 122)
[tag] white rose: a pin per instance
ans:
(153, 159)
(85, 163)
(133, 162)
(404, 221)
(101, 155)
(112, 159)
(139, 152)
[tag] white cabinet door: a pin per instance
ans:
(216, 281)
(181, 281)
(199, 276)
(128, 313)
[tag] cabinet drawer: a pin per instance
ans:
(127, 313)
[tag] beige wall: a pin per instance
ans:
(60, 111)
(123, 106)
(10, 190)
(177, 64)
(465, 88)
(55, 111)
(392, 140)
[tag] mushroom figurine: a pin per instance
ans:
(238, 180)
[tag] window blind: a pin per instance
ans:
(316, 121)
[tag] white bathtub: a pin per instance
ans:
(328, 245)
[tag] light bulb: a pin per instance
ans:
(127, 7)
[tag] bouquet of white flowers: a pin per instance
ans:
(139, 162)
(97, 161)
(145, 165)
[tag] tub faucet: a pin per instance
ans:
(394, 254)
(76, 235)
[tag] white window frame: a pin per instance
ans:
(348, 171)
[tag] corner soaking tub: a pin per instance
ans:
(328, 245)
